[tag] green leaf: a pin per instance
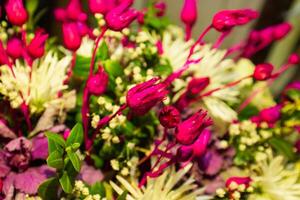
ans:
(98, 188)
(113, 68)
(293, 94)
(66, 183)
(48, 189)
(82, 66)
(55, 160)
(163, 69)
(75, 146)
(31, 6)
(283, 147)
(76, 135)
(103, 53)
(122, 196)
(75, 160)
(57, 139)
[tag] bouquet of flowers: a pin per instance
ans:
(131, 107)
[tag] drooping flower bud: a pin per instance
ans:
(142, 97)
(121, 16)
(189, 16)
(16, 12)
(169, 117)
(197, 85)
(97, 83)
(263, 71)
(101, 6)
(281, 30)
(161, 8)
(189, 130)
(200, 145)
(14, 48)
(36, 47)
(71, 36)
(294, 59)
(227, 19)
(270, 115)
(239, 181)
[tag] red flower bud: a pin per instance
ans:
(200, 145)
(36, 47)
(197, 85)
(16, 12)
(142, 97)
(14, 47)
(161, 8)
(97, 83)
(270, 115)
(227, 19)
(184, 153)
(294, 59)
(74, 11)
(263, 71)
(169, 117)
(281, 30)
(101, 6)
(71, 36)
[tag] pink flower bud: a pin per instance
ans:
(189, 15)
(74, 11)
(66, 134)
(200, 145)
(16, 12)
(36, 47)
(197, 85)
(169, 117)
(227, 19)
(14, 48)
(161, 8)
(4, 59)
(121, 16)
(71, 36)
(270, 115)
(60, 14)
(294, 59)
(184, 153)
(189, 130)
(101, 6)
(263, 71)
(97, 83)
(142, 97)
(239, 181)
(281, 30)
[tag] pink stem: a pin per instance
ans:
(188, 32)
(221, 39)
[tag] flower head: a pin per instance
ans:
(97, 83)
(188, 131)
(263, 71)
(36, 47)
(227, 19)
(101, 6)
(16, 12)
(169, 117)
(71, 35)
(142, 97)
(14, 48)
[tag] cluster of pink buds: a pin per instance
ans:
(74, 25)
(16, 12)
(97, 83)
(269, 115)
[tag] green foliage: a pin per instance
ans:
(282, 146)
(48, 189)
(122, 196)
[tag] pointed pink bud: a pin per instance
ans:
(71, 35)
(97, 83)
(14, 48)
(189, 130)
(169, 117)
(184, 153)
(74, 11)
(16, 12)
(263, 71)
(239, 181)
(227, 19)
(161, 8)
(189, 16)
(142, 97)
(121, 16)
(36, 47)
(4, 59)
(270, 115)
(281, 30)
(200, 145)
(294, 59)
(101, 6)
(197, 85)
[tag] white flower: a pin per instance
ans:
(163, 187)
(47, 76)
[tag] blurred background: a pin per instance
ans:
(272, 12)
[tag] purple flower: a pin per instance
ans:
(142, 97)
(90, 175)
(14, 48)
(39, 147)
(188, 131)
(36, 47)
(263, 71)
(101, 6)
(97, 83)
(189, 16)
(169, 117)
(121, 16)
(16, 12)
(227, 19)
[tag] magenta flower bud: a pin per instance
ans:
(184, 153)
(60, 14)
(294, 59)
(71, 36)
(36, 47)
(16, 12)
(4, 59)
(197, 85)
(142, 97)
(189, 16)
(239, 181)
(227, 19)
(74, 11)
(200, 145)
(97, 83)
(14, 48)
(189, 130)
(121, 16)
(169, 117)
(281, 30)
(161, 8)
(270, 115)
(66, 134)
(263, 71)
(101, 6)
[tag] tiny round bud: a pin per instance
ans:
(294, 59)
(169, 117)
